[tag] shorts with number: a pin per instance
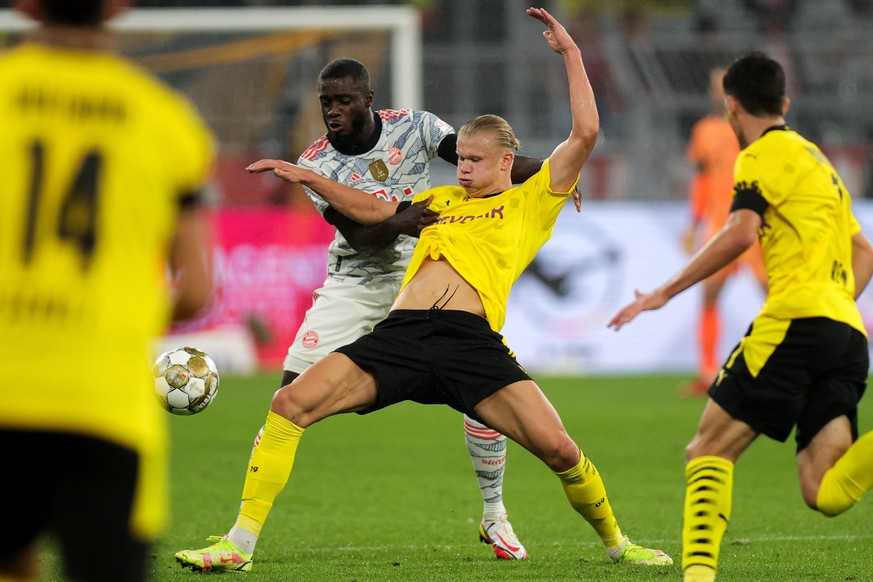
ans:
(341, 312)
(82, 489)
(435, 357)
(799, 373)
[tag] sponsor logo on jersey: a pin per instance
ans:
(310, 340)
(493, 213)
(379, 170)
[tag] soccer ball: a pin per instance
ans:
(186, 380)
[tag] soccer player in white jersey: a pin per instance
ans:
(386, 153)
(440, 343)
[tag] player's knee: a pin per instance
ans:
(812, 503)
(287, 403)
(692, 450)
(561, 455)
(824, 497)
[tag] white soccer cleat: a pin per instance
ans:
(500, 536)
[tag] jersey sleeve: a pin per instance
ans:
(320, 204)
(540, 199)
(751, 175)
(433, 130)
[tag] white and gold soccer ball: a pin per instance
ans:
(186, 380)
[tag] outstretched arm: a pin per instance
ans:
(357, 205)
(369, 240)
(566, 161)
(737, 235)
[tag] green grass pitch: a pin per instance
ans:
(392, 496)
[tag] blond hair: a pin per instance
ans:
(496, 126)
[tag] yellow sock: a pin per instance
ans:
(848, 480)
(269, 468)
(587, 495)
(708, 490)
(697, 573)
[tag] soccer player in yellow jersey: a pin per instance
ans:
(101, 169)
(803, 363)
(440, 343)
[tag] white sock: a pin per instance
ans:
(487, 450)
(243, 539)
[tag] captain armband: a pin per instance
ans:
(749, 197)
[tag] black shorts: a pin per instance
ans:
(787, 373)
(435, 357)
(80, 489)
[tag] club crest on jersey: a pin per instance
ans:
(310, 340)
(379, 170)
(395, 156)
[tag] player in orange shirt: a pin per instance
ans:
(713, 149)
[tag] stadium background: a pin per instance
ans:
(648, 61)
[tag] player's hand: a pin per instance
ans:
(577, 198)
(556, 35)
(412, 220)
(643, 302)
(285, 170)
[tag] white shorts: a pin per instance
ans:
(342, 312)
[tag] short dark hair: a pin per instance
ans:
(758, 83)
(73, 12)
(347, 68)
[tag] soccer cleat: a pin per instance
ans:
(499, 535)
(633, 554)
(221, 556)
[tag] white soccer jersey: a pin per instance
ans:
(395, 169)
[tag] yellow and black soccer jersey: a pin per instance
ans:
(807, 227)
(490, 240)
(97, 156)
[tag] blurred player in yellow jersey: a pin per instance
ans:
(713, 149)
(102, 167)
(803, 364)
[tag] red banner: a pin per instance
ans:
(268, 261)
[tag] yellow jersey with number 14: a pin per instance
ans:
(489, 241)
(97, 155)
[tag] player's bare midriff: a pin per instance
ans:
(438, 284)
